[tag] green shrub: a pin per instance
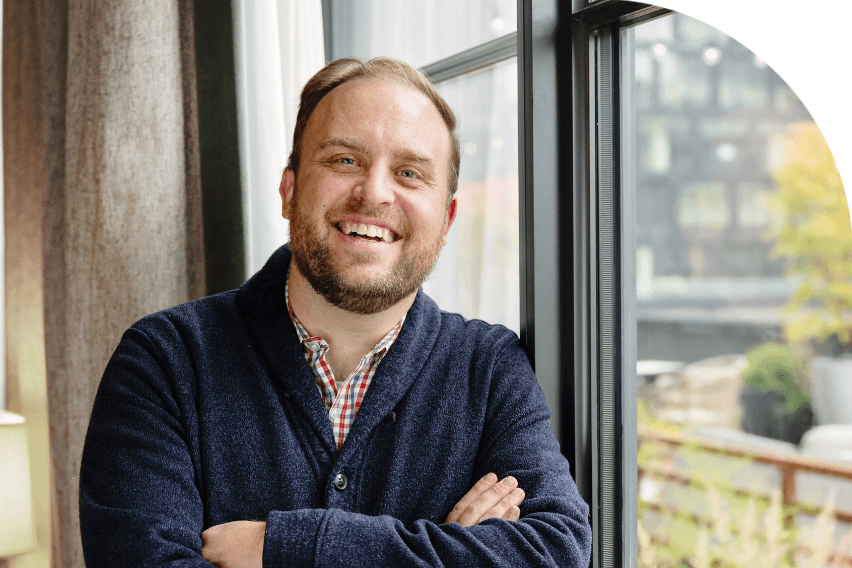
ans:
(773, 368)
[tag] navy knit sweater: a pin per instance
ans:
(208, 413)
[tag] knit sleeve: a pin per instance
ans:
(518, 440)
(139, 501)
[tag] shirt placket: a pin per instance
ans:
(345, 405)
(342, 404)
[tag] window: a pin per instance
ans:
(526, 234)
(419, 33)
(712, 289)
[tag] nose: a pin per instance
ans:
(376, 187)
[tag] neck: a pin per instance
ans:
(347, 333)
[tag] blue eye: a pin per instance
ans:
(347, 161)
(407, 173)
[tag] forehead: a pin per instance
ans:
(382, 115)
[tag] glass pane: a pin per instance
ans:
(744, 308)
(419, 32)
(477, 273)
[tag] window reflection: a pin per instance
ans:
(419, 32)
(477, 274)
(743, 269)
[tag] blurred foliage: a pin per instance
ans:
(721, 519)
(754, 537)
(774, 367)
(672, 538)
(712, 524)
(812, 231)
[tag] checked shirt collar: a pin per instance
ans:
(342, 402)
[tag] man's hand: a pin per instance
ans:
(488, 499)
(234, 545)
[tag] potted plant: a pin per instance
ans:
(774, 397)
(812, 231)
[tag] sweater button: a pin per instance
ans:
(390, 418)
(340, 481)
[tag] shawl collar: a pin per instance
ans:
(263, 306)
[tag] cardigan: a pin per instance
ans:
(208, 413)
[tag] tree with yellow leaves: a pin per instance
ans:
(812, 230)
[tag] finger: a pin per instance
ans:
(478, 489)
(208, 546)
(506, 504)
(212, 542)
(490, 498)
(513, 514)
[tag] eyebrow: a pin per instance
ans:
(411, 156)
(346, 142)
(356, 146)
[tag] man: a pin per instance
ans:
(249, 428)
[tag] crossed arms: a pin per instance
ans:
(162, 479)
(239, 544)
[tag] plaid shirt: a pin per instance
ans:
(344, 401)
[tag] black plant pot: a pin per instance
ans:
(796, 424)
(760, 411)
(764, 415)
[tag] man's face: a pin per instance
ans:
(369, 214)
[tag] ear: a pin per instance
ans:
(451, 216)
(285, 190)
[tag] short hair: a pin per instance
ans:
(346, 69)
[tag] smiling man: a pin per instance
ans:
(327, 413)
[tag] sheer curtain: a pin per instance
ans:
(279, 46)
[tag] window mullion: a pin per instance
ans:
(616, 403)
(546, 211)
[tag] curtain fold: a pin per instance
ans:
(103, 212)
(279, 46)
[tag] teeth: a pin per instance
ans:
(374, 231)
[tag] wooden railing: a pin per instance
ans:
(788, 465)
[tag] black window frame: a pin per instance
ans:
(606, 220)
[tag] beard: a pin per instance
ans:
(314, 258)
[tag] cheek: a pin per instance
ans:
(313, 204)
(429, 217)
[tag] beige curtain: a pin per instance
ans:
(103, 214)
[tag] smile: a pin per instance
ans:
(367, 232)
